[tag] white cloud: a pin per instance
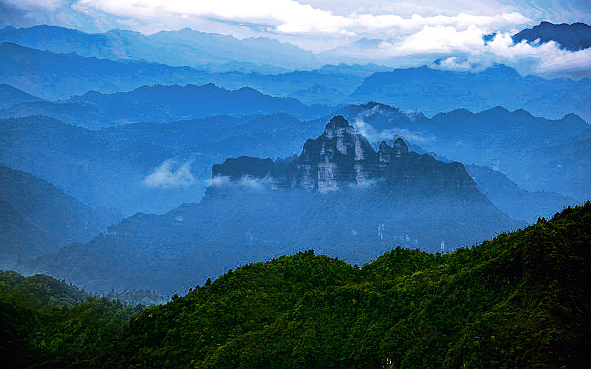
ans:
(293, 17)
(247, 181)
(171, 174)
(442, 39)
(375, 136)
(546, 59)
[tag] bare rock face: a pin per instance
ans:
(341, 157)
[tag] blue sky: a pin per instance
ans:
(402, 33)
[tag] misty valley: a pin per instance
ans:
(194, 200)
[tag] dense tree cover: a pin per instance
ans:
(518, 301)
(49, 323)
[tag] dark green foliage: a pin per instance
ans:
(48, 323)
(518, 301)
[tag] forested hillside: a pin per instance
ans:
(49, 323)
(518, 301)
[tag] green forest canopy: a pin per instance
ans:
(518, 301)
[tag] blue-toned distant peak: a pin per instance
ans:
(576, 36)
(7, 29)
(10, 96)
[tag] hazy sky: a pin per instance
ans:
(406, 30)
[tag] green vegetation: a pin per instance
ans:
(518, 301)
(48, 323)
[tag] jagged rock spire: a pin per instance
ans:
(399, 148)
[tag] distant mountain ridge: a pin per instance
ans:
(52, 76)
(576, 36)
(10, 96)
(185, 47)
(169, 103)
(60, 76)
(160, 104)
(421, 88)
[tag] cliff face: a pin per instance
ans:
(342, 157)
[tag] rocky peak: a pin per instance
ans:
(399, 148)
(341, 156)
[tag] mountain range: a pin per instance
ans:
(60, 76)
(162, 104)
(223, 53)
(99, 118)
(185, 47)
(154, 167)
(338, 194)
(412, 88)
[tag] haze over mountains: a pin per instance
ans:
(60, 76)
(474, 153)
(175, 48)
(38, 218)
(339, 194)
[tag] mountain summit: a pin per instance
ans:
(342, 157)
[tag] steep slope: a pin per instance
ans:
(512, 199)
(10, 96)
(38, 218)
(339, 195)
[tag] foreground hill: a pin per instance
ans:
(517, 301)
(339, 194)
(43, 320)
